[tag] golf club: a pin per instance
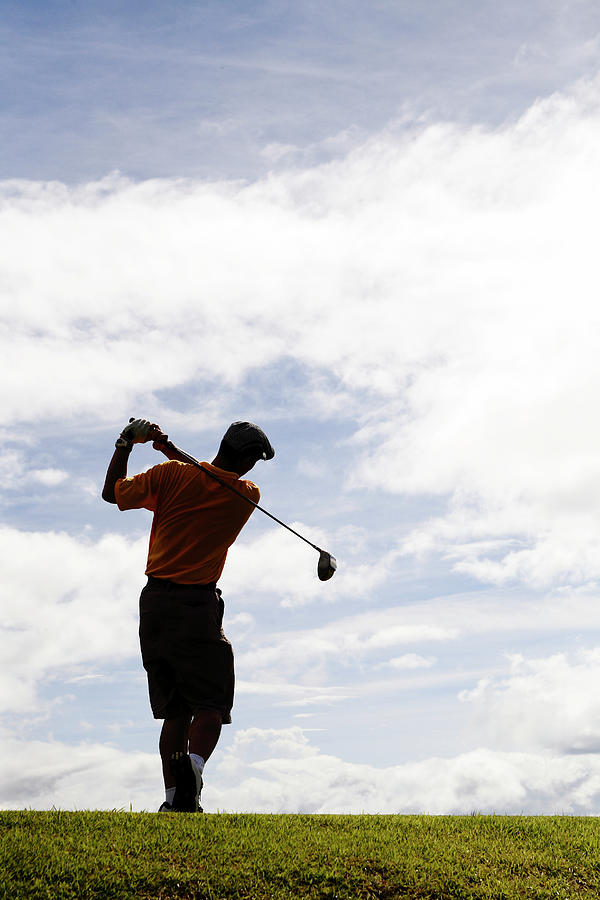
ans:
(327, 564)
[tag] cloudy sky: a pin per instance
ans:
(371, 228)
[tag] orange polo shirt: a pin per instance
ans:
(195, 521)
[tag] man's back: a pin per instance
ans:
(195, 518)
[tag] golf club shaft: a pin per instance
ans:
(194, 462)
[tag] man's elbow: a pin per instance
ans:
(108, 494)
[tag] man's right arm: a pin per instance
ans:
(117, 468)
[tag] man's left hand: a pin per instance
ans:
(137, 431)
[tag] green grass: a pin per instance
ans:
(83, 855)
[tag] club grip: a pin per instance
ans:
(163, 438)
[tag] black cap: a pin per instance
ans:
(244, 436)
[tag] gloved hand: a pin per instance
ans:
(137, 431)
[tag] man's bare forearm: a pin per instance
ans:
(117, 468)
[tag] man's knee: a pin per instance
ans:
(179, 719)
(207, 716)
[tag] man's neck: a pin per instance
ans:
(219, 463)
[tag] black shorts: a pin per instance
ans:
(188, 659)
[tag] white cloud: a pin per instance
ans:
(279, 770)
(289, 694)
(16, 473)
(350, 641)
(68, 603)
(49, 477)
(546, 703)
(47, 774)
(444, 278)
(11, 468)
(346, 650)
(283, 772)
(278, 563)
(540, 542)
(409, 661)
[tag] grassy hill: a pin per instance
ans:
(82, 855)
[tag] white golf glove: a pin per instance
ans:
(135, 432)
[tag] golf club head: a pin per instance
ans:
(326, 566)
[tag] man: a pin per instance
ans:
(187, 657)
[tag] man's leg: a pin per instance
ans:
(184, 749)
(204, 732)
(178, 735)
(174, 738)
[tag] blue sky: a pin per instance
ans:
(205, 89)
(370, 229)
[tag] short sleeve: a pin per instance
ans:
(138, 491)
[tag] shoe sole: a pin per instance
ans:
(186, 798)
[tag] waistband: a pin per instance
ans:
(171, 585)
